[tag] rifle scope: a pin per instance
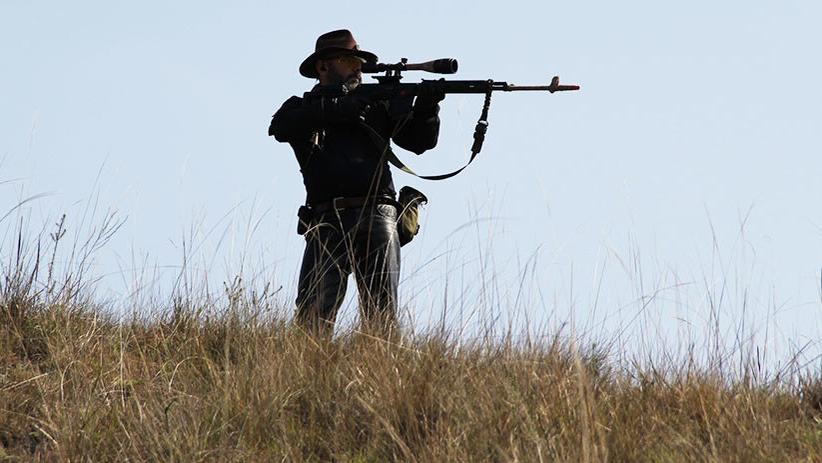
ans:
(437, 66)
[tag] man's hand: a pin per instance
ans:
(333, 110)
(351, 107)
(428, 97)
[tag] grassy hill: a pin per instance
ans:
(229, 379)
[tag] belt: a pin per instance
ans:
(350, 203)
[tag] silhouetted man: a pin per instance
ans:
(349, 219)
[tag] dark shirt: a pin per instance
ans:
(341, 159)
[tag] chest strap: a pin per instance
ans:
(476, 147)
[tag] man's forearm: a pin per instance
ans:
(421, 131)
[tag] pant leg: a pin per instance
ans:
(323, 279)
(376, 248)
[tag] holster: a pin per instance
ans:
(408, 222)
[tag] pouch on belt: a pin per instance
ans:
(408, 225)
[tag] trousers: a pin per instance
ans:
(360, 240)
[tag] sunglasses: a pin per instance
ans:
(349, 61)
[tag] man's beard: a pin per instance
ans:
(351, 81)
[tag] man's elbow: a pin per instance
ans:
(280, 137)
(425, 145)
(276, 131)
(420, 143)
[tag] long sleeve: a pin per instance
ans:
(421, 132)
(294, 121)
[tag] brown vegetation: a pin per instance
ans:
(230, 380)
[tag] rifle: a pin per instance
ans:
(390, 88)
(389, 85)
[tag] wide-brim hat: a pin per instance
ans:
(331, 44)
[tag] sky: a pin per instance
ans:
(676, 192)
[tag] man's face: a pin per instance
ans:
(345, 69)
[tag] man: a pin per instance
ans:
(350, 214)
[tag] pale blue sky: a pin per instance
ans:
(691, 116)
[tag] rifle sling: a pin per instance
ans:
(479, 138)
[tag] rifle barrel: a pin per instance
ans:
(549, 88)
(481, 86)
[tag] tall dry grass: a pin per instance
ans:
(229, 379)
